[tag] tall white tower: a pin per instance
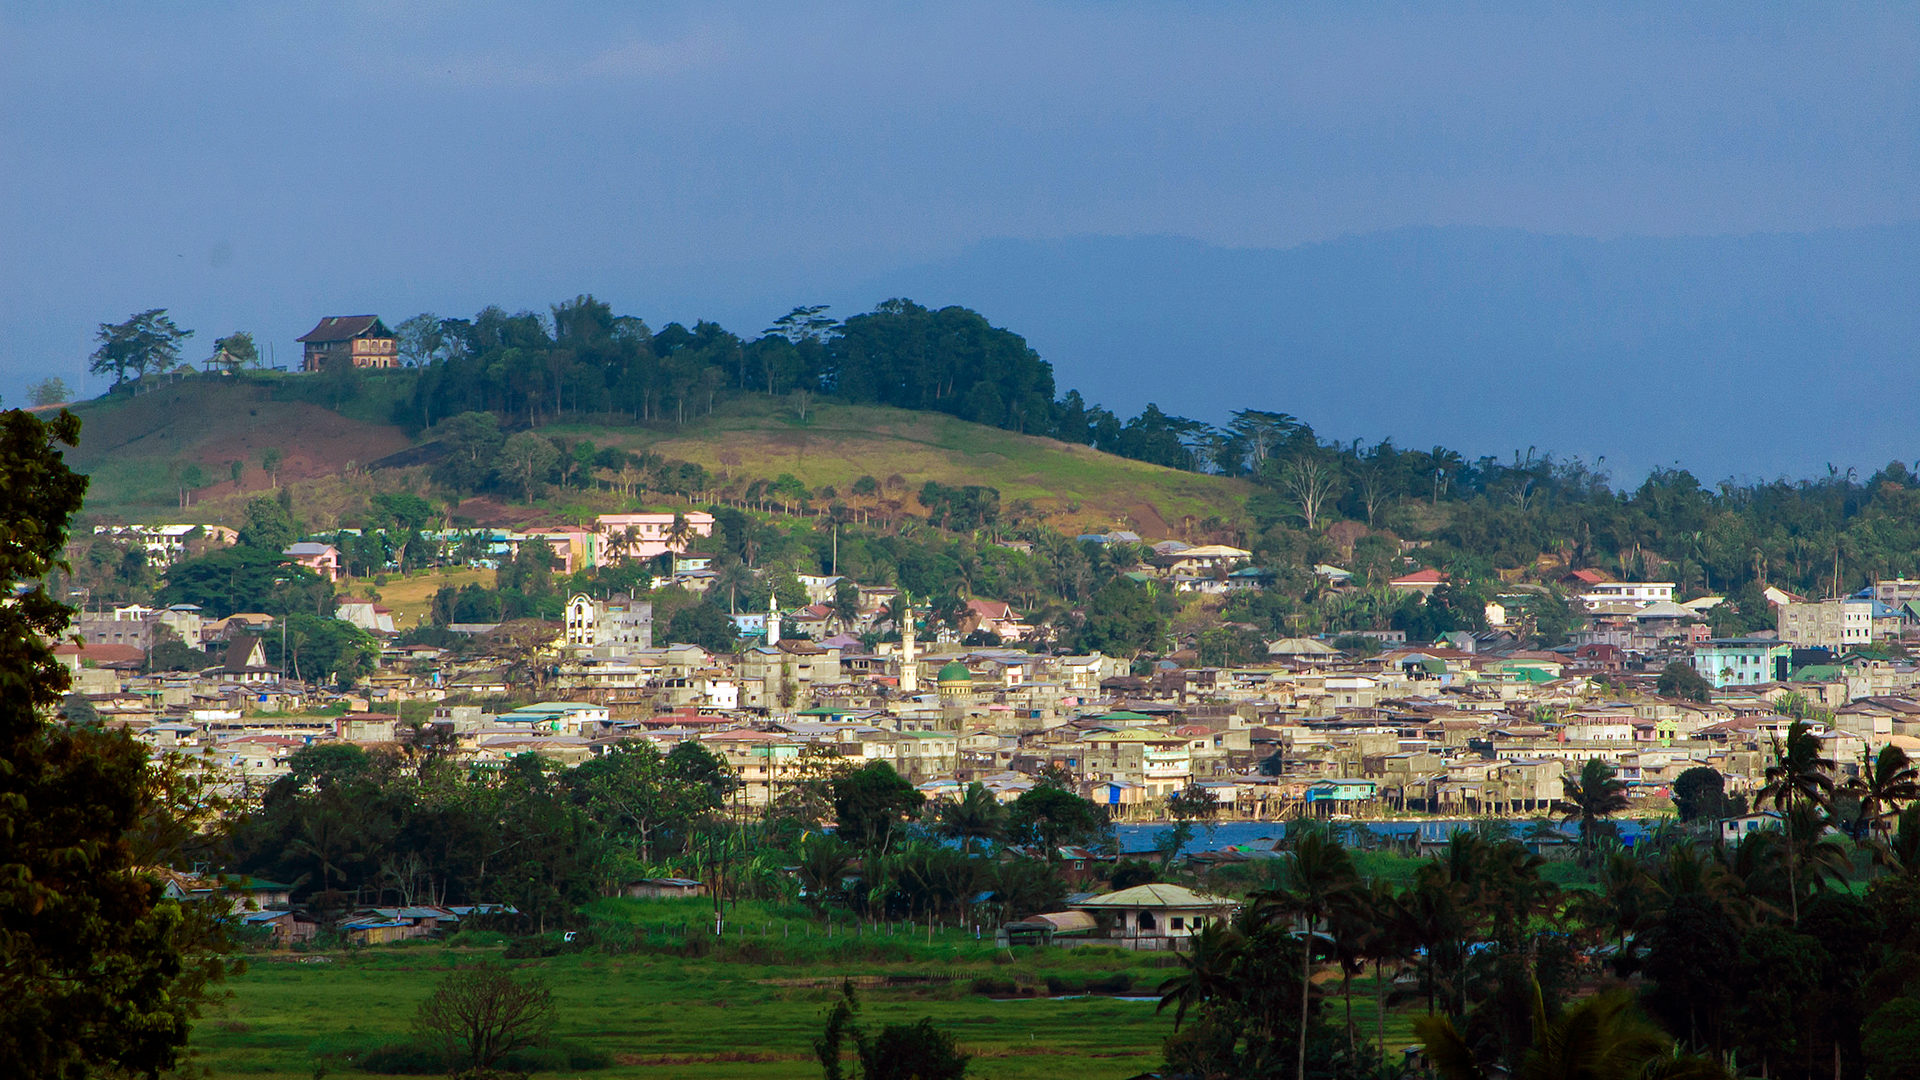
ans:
(909, 670)
(773, 618)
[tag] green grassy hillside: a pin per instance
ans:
(135, 449)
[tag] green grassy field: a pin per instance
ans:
(838, 444)
(749, 1008)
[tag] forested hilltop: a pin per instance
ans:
(571, 409)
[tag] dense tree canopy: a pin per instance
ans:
(99, 972)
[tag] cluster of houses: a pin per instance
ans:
(1474, 723)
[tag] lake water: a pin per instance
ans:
(1143, 838)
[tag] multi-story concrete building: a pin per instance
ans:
(1831, 624)
(613, 629)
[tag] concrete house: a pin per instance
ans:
(1157, 916)
(362, 340)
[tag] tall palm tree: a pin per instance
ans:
(1798, 776)
(1358, 924)
(1596, 794)
(1887, 781)
(625, 542)
(1313, 885)
(680, 532)
(976, 815)
(1622, 900)
(1208, 970)
(1900, 851)
(1390, 939)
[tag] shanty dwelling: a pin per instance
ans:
(281, 928)
(663, 887)
(374, 930)
(1156, 916)
(1054, 928)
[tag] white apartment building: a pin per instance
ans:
(1635, 593)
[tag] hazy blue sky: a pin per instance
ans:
(258, 164)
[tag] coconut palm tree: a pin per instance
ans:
(1596, 794)
(1900, 851)
(1601, 1038)
(976, 815)
(1798, 776)
(823, 868)
(1356, 926)
(1886, 781)
(680, 532)
(1209, 969)
(1622, 900)
(1314, 883)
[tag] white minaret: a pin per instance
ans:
(909, 671)
(773, 618)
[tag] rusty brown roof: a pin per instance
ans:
(346, 328)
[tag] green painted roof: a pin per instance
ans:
(955, 671)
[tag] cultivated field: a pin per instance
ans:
(749, 1008)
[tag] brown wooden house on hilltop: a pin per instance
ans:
(361, 339)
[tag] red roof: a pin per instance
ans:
(101, 653)
(346, 328)
(1420, 577)
(997, 610)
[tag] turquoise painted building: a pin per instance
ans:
(1728, 662)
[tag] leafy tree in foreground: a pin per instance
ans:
(481, 1014)
(1049, 816)
(1317, 880)
(97, 972)
(1700, 794)
(245, 579)
(871, 802)
(1186, 806)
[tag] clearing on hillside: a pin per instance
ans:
(136, 448)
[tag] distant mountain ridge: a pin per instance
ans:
(1733, 356)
